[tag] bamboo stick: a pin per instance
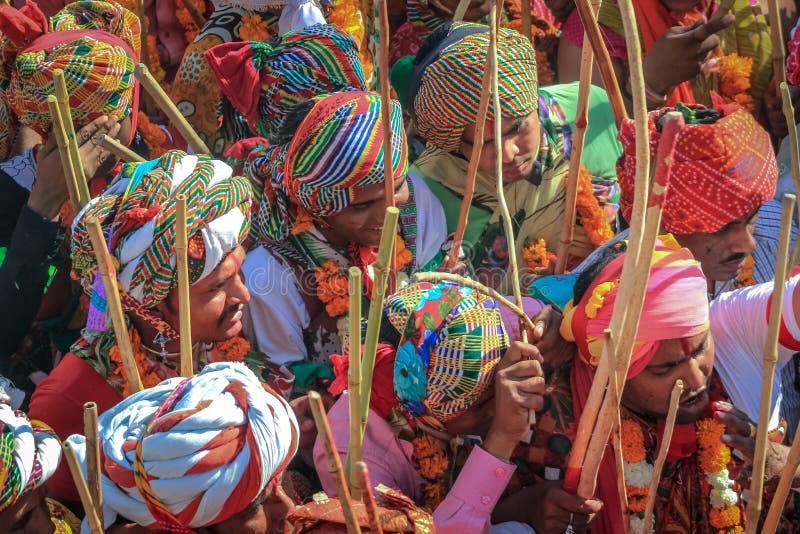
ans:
(603, 59)
(782, 491)
(354, 453)
(334, 463)
(369, 499)
(381, 268)
(778, 53)
(525, 5)
(770, 363)
(83, 490)
(63, 152)
(118, 149)
(616, 432)
(474, 160)
(461, 10)
(794, 152)
(65, 115)
(722, 10)
(661, 459)
(168, 107)
(93, 456)
(581, 123)
(109, 277)
(182, 261)
(477, 286)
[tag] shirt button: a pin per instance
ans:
(499, 472)
(486, 500)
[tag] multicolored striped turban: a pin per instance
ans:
(96, 44)
(450, 87)
(336, 150)
(721, 170)
(452, 339)
(193, 452)
(137, 214)
(29, 454)
(264, 82)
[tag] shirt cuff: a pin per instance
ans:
(482, 480)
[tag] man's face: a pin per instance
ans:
(722, 253)
(520, 149)
(689, 359)
(28, 515)
(362, 221)
(216, 301)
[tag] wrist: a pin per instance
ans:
(47, 206)
(499, 446)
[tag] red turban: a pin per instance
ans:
(720, 172)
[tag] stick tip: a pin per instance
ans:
(361, 467)
(392, 210)
(90, 406)
(139, 70)
(52, 99)
(314, 396)
(354, 271)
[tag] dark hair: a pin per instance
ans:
(388, 333)
(587, 276)
(432, 41)
(291, 122)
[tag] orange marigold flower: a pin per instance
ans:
(430, 457)
(232, 350)
(303, 222)
(637, 498)
(154, 137)
(734, 74)
(723, 518)
(332, 288)
(253, 28)
(633, 450)
(746, 101)
(433, 494)
(536, 254)
(403, 255)
(746, 274)
(591, 215)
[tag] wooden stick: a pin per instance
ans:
(93, 457)
(157, 93)
(477, 286)
(604, 65)
(63, 152)
(198, 17)
(581, 122)
(794, 152)
(65, 115)
(386, 117)
(118, 149)
(782, 491)
(616, 432)
(778, 53)
(354, 453)
(770, 363)
(369, 499)
(83, 490)
(461, 10)
(109, 277)
(474, 160)
(182, 260)
(661, 459)
(525, 5)
(381, 269)
(334, 463)
(722, 9)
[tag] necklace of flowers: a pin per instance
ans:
(713, 456)
(745, 277)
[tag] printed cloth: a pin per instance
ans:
(722, 170)
(193, 452)
(450, 87)
(96, 44)
(138, 217)
(29, 454)
(264, 82)
(452, 340)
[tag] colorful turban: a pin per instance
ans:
(264, 82)
(721, 171)
(452, 340)
(450, 87)
(29, 454)
(96, 44)
(193, 452)
(336, 150)
(137, 214)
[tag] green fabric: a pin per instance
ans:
(400, 77)
(451, 202)
(305, 373)
(51, 271)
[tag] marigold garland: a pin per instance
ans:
(302, 222)
(346, 14)
(734, 79)
(187, 21)
(154, 137)
(745, 277)
(253, 28)
(403, 256)
(590, 214)
(536, 255)
(432, 464)
(332, 288)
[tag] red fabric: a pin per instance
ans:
(720, 172)
(572, 30)
(24, 25)
(238, 78)
(793, 59)
(785, 338)
(58, 401)
(382, 399)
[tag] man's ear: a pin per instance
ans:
(167, 309)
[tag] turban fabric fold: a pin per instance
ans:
(95, 43)
(337, 150)
(452, 340)
(138, 216)
(193, 452)
(721, 171)
(29, 454)
(264, 82)
(450, 88)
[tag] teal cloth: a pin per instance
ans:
(555, 290)
(306, 373)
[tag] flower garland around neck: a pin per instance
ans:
(154, 137)
(545, 39)
(432, 464)
(185, 18)
(745, 277)
(591, 214)
(713, 455)
(346, 14)
(536, 254)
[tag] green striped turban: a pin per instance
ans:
(450, 87)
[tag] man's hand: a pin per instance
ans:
(679, 54)
(555, 350)
(555, 509)
(773, 105)
(519, 385)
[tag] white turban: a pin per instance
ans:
(209, 446)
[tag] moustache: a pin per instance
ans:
(227, 313)
(739, 256)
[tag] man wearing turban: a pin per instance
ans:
(319, 209)
(197, 452)
(675, 340)
(536, 128)
(447, 367)
(138, 216)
